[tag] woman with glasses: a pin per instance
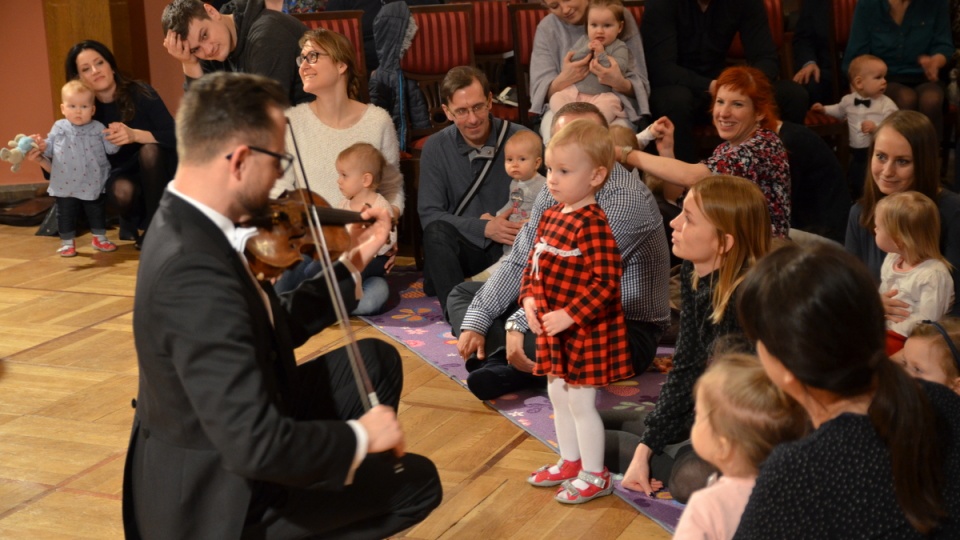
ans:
(138, 121)
(335, 120)
(323, 128)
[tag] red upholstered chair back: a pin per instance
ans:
(524, 19)
(842, 21)
(444, 40)
(774, 19)
(636, 9)
(491, 27)
(349, 24)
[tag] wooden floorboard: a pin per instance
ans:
(69, 371)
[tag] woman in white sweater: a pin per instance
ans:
(336, 120)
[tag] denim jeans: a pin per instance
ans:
(375, 288)
(68, 211)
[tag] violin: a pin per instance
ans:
(283, 233)
(304, 223)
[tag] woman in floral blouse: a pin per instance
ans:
(745, 115)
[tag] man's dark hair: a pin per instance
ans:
(462, 77)
(178, 14)
(223, 108)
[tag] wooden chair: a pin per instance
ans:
(493, 46)
(349, 24)
(524, 19)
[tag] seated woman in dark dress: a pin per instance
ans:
(138, 121)
(882, 460)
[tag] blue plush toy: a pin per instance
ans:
(19, 146)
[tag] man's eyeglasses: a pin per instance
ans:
(284, 161)
(310, 58)
(477, 110)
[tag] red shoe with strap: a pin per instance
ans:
(105, 245)
(598, 485)
(542, 477)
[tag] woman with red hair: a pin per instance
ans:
(745, 115)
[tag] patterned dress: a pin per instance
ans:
(575, 266)
(762, 159)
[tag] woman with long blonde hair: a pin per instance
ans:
(723, 230)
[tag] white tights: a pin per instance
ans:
(579, 427)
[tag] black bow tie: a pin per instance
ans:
(864, 102)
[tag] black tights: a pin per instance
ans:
(925, 97)
(136, 191)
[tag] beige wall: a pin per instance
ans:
(25, 89)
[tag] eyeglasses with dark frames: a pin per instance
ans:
(310, 58)
(284, 161)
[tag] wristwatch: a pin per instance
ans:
(624, 152)
(512, 326)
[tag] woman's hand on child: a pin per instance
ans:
(610, 76)
(868, 126)
(119, 134)
(637, 477)
(556, 321)
(573, 72)
(817, 107)
(894, 310)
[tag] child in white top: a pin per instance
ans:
(604, 25)
(75, 155)
(932, 352)
(740, 417)
(908, 230)
(522, 157)
(360, 168)
(864, 108)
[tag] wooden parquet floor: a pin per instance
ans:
(69, 372)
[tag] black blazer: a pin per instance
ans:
(214, 429)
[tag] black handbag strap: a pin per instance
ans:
(482, 175)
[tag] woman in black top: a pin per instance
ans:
(882, 460)
(138, 121)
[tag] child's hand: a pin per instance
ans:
(868, 126)
(530, 309)
(40, 140)
(556, 321)
(817, 107)
(596, 46)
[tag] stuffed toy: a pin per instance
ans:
(19, 146)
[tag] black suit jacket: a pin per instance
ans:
(213, 430)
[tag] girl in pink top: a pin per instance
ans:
(740, 417)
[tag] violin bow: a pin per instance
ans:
(368, 395)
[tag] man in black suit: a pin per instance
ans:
(231, 438)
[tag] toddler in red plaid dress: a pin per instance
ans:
(571, 297)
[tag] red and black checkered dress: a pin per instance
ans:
(586, 283)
